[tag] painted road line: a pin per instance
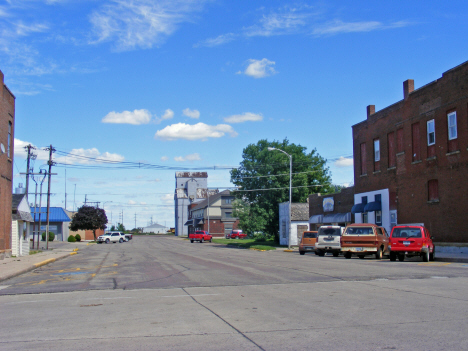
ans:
(434, 264)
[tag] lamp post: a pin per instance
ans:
(290, 190)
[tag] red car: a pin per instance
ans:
(200, 236)
(409, 240)
(236, 234)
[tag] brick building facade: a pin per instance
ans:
(411, 159)
(331, 209)
(7, 132)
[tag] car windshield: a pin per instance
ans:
(359, 231)
(406, 233)
(309, 235)
(329, 231)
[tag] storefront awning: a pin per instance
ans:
(337, 218)
(189, 222)
(358, 208)
(316, 219)
(373, 206)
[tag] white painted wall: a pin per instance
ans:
(371, 215)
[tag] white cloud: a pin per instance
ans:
(131, 202)
(338, 27)
(191, 157)
(219, 40)
(344, 162)
(167, 199)
(191, 113)
(260, 68)
(128, 117)
(199, 131)
(248, 116)
(279, 24)
(168, 114)
(80, 156)
(164, 158)
(141, 23)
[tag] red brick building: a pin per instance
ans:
(7, 129)
(411, 159)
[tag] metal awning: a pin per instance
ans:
(373, 206)
(316, 219)
(337, 218)
(358, 208)
(189, 222)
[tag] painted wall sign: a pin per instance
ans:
(328, 204)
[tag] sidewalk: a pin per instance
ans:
(14, 266)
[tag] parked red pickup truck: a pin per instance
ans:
(200, 236)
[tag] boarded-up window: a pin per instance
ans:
(416, 141)
(433, 190)
(391, 149)
(400, 144)
(363, 159)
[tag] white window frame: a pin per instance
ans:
(431, 130)
(378, 217)
(376, 150)
(452, 127)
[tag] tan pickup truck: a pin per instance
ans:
(362, 239)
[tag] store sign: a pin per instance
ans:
(52, 228)
(328, 204)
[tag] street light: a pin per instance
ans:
(290, 190)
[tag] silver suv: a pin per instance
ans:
(329, 240)
(112, 237)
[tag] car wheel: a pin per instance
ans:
(392, 256)
(121, 240)
(335, 254)
(321, 253)
(107, 241)
(201, 240)
(401, 257)
(348, 255)
(432, 255)
(425, 256)
(211, 240)
(191, 241)
(302, 252)
(378, 254)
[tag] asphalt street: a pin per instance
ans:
(161, 293)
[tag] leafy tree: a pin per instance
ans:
(252, 218)
(264, 178)
(120, 227)
(112, 229)
(89, 218)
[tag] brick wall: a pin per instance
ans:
(7, 114)
(446, 161)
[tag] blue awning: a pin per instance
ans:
(373, 206)
(358, 208)
(316, 219)
(337, 218)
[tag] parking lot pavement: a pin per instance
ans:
(14, 266)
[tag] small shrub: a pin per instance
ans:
(78, 237)
(43, 236)
(51, 236)
(71, 239)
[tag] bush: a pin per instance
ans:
(51, 236)
(78, 237)
(71, 239)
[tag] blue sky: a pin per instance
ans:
(189, 84)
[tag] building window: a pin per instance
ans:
(416, 141)
(391, 149)
(228, 200)
(376, 150)
(363, 159)
(365, 217)
(430, 132)
(227, 214)
(433, 190)
(378, 217)
(9, 139)
(452, 125)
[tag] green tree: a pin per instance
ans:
(252, 218)
(120, 227)
(263, 176)
(89, 218)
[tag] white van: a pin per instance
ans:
(329, 240)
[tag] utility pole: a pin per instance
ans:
(30, 156)
(50, 163)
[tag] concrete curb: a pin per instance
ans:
(36, 265)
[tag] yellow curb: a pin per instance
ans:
(50, 260)
(73, 253)
(257, 249)
(75, 249)
(288, 250)
(90, 243)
